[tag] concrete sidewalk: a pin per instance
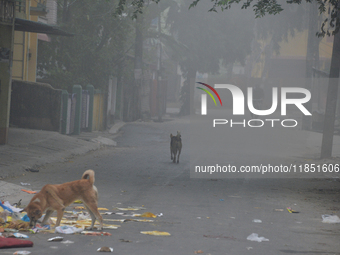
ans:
(27, 149)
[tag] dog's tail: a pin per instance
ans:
(89, 174)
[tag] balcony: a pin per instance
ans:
(7, 8)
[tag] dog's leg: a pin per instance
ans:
(174, 157)
(47, 216)
(60, 213)
(93, 210)
(179, 153)
(93, 217)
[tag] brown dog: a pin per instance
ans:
(58, 197)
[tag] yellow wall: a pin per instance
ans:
(19, 68)
(98, 112)
(295, 48)
(25, 49)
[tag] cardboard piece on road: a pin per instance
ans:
(155, 233)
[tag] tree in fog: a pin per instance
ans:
(209, 38)
(91, 56)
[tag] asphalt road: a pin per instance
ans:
(203, 216)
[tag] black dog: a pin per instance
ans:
(175, 146)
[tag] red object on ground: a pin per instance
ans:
(8, 242)
(29, 191)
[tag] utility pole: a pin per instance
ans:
(138, 64)
(332, 94)
(159, 70)
(311, 58)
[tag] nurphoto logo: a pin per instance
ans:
(239, 105)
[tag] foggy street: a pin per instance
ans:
(246, 91)
(203, 216)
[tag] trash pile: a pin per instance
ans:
(75, 221)
(12, 220)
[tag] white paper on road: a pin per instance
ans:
(255, 237)
(330, 218)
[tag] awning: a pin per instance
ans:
(38, 27)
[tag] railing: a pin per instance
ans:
(20, 6)
(7, 8)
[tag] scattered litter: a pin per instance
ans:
(67, 230)
(78, 202)
(279, 210)
(24, 183)
(249, 248)
(105, 249)
(93, 233)
(199, 218)
(79, 208)
(53, 220)
(84, 216)
(21, 253)
(29, 191)
(54, 247)
(25, 218)
(235, 196)
(18, 204)
(138, 220)
(255, 237)
(106, 226)
(13, 208)
(199, 252)
(148, 215)
(10, 230)
(232, 218)
(291, 211)
(102, 209)
(67, 242)
(125, 241)
(155, 233)
(19, 235)
(15, 225)
(88, 223)
(326, 218)
(5, 208)
(56, 239)
(159, 215)
(257, 221)
(40, 228)
(118, 220)
(18, 225)
(132, 208)
(221, 199)
(107, 213)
